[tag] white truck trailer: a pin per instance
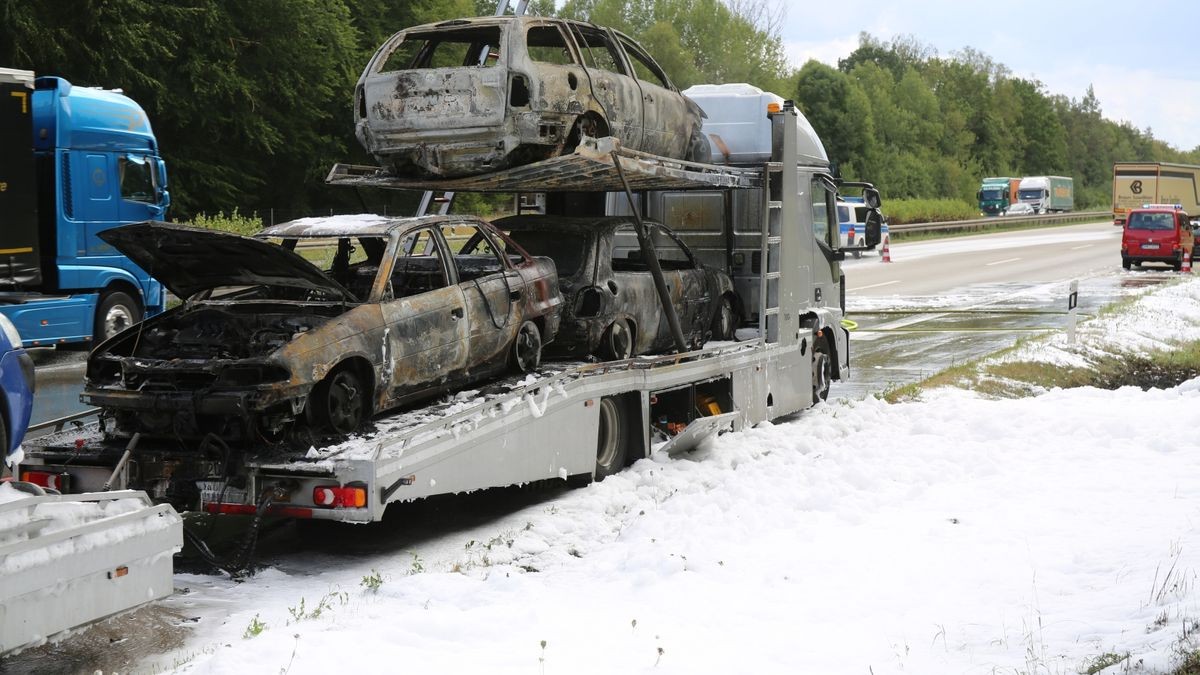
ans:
(511, 431)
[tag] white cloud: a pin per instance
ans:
(828, 52)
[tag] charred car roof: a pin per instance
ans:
(188, 260)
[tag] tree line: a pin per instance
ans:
(251, 102)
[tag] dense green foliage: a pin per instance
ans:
(251, 101)
(901, 211)
(919, 125)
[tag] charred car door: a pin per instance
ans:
(664, 114)
(694, 297)
(492, 291)
(638, 294)
(615, 91)
(426, 318)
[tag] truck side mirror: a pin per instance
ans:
(871, 197)
(874, 219)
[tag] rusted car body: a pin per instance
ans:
(471, 96)
(309, 327)
(611, 307)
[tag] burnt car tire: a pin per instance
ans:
(116, 312)
(698, 149)
(612, 437)
(527, 348)
(341, 401)
(724, 321)
(617, 342)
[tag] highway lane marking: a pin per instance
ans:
(1076, 248)
(1001, 262)
(884, 283)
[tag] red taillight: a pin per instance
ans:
(352, 497)
(46, 479)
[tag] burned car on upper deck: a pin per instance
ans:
(305, 330)
(472, 96)
(611, 307)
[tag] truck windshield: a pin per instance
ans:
(1151, 221)
(991, 194)
(1035, 193)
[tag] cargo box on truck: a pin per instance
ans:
(1138, 183)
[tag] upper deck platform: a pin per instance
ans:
(591, 168)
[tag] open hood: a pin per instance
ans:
(188, 260)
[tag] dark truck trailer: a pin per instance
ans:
(20, 264)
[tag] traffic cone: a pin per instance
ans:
(887, 254)
(1187, 262)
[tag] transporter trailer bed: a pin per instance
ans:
(510, 432)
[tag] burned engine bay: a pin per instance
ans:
(205, 369)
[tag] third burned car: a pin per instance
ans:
(611, 307)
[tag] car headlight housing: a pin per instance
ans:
(250, 374)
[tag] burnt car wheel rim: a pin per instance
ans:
(527, 350)
(620, 340)
(345, 402)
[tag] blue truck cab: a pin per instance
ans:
(74, 161)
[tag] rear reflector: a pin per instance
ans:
(46, 479)
(350, 497)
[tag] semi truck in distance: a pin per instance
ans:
(74, 161)
(1047, 194)
(996, 194)
(1139, 183)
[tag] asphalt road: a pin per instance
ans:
(944, 302)
(1031, 256)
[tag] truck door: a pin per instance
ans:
(615, 90)
(425, 317)
(664, 114)
(137, 176)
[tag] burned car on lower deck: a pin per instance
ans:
(305, 330)
(471, 96)
(611, 307)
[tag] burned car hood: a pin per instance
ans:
(188, 260)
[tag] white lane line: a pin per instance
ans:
(1076, 248)
(885, 283)
(1001, 262)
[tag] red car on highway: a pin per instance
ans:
(1158, 233)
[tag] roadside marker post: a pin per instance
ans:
(1072, 311)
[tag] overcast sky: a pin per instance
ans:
(1142, 58)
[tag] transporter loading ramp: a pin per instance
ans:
(591, 168)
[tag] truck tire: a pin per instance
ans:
(116, 312)
(612, 437)
(822, 366)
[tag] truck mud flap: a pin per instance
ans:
(698, 430)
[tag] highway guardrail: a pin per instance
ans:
(1000, 222)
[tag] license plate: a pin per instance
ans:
(1148, 247)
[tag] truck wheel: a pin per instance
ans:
(822, 367)
(724, 321)
(116, 312)
(527, 348)
(612, 437)
(341, 401)
(617, 343)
